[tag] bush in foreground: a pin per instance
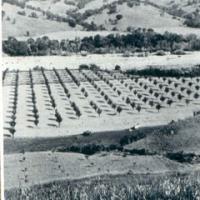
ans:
(124, 187)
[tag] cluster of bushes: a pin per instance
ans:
(90, 148)
(139, 40)
(182, 157)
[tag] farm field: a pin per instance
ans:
(61, 102)
(107, 61)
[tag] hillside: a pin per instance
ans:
(181, 136)
(15, 24)
(34, 18)
(184, 5)
(144, 16)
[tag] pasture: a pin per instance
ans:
(61, 102)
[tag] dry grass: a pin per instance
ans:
(150, 18)
(126, 187)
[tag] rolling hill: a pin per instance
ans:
(144, 16)
(34, 18)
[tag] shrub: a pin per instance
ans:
(117, 67)
(33, 15)
(160, 53)
(72, 23)
(87, 133)
(21, 13)
(83, 66)
(119, 16)
(179, 52)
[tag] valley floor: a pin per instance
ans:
(106, 61)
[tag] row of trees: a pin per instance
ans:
(154, 93)
(52, 100)
(162, 72)
(33, 99)
(14, 107)
(138, 40)
(104, 95)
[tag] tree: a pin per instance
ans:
(72, 23)
(128, 100)
(99, 111)
(151, 91)
(187, 101)
(119, 92)
(119, 16)
(169, 102)
(58, 117)
(133, 104)
(179, 96)
(78, 112)
(188, 92)
(12, 123)
(173, 93)
(196, 95)
(151, 103)
(12, 131)
(144, 99)
(197, 87)
(156, 94)
(117, 67)
(36, 121)
(138, 108)
(158, 107)
(119, 109)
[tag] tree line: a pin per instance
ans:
(138, 40)
(171, 72)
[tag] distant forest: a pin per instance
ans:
(138, 40)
